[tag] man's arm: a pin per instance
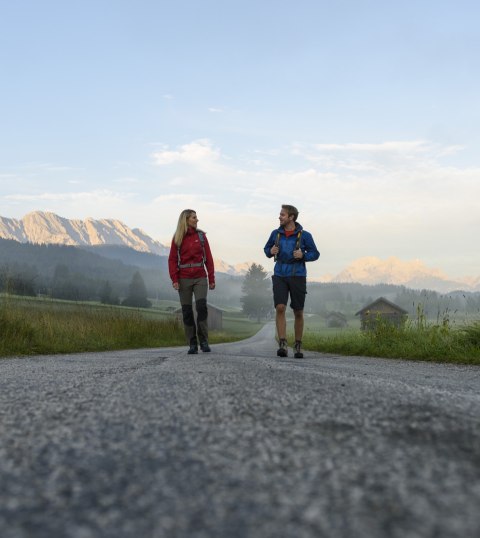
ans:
(270, 243)
(310, 253)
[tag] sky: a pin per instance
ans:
(364, 114)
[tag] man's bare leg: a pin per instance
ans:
(281, 322)
(299, 323)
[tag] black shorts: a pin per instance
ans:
(295, 285)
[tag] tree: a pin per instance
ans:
(62, 286)
(137, 293)
(106, 294)
(256, 300)
(17, 279)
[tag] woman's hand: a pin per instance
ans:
(176, 285)
(211, 286)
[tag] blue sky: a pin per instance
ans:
(363, 114)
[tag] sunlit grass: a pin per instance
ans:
(54, 330)
(42, 326)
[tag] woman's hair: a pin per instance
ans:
(182, 226)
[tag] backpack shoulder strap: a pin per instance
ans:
(299, 240)
(277, 239)
(201, 236)
(277, 242)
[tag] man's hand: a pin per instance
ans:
(298, 254)
(211, 286)
(274, 250)
(176, 285)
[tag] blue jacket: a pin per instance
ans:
(286, 264)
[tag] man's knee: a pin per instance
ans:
(298, 314)
(281, 308)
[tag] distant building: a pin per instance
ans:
(215, 317)
(335, 319)
(381, 310)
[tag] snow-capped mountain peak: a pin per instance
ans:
(412, 274)
(49, 228)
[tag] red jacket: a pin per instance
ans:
(191, 252)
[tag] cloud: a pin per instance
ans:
(390, 198)
(175, 198)
(373, 157)
(126, 180)
(391, 180)
(215, 110)
(102, 194)
(50, 167)
(197, 153)
(416, 146)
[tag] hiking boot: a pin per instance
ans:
(283, 349)
(298, 349)
(205, 347)
(193, 350)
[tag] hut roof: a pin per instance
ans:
(210, 306)
(372, 306)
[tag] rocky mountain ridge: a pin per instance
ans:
(48, 228)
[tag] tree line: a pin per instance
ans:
(68, 272)
(349, 298)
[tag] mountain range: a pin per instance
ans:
(49, 228)
(411, 274)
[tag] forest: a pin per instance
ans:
(105, 273)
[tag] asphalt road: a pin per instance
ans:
(237, 443)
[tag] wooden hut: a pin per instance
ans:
(381, 310)
(215, 317)
(335, 319)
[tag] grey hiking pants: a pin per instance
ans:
(198, 287)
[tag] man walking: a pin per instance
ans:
(291, 246)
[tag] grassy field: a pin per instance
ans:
(43, 326)
(417, 340)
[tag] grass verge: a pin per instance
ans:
(40, 326)
(429, 343)
(55, 330)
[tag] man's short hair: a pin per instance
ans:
(291, 210)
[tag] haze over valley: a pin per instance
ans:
(40, 227)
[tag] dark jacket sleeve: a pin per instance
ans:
(209, 263)
(173, 262)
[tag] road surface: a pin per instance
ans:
(237, 443)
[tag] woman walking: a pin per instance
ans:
(189, 256)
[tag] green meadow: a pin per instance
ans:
(30, 326)
(35, 326)
(418, 339)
